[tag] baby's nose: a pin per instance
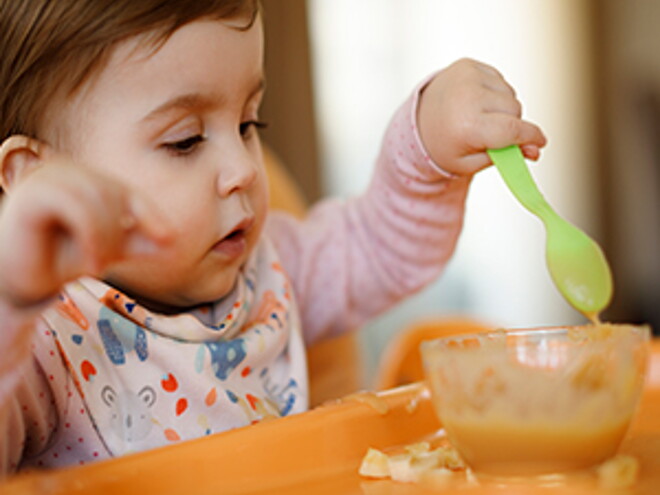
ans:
(237, 174)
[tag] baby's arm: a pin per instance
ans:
(351, 260)
(28, 415)
(58, 222)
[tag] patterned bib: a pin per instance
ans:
(149, 379)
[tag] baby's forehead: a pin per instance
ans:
(222, 65)
(185, 44)
(141, 46)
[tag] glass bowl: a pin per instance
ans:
(537, 401)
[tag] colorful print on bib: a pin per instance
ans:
(149, 379)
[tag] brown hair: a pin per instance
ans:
(50, 47)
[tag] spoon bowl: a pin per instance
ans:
(576, 262)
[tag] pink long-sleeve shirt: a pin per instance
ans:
(347, 261)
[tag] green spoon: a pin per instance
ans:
(576, 263)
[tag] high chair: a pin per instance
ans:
(401, 362)
(284, 192)
(334, 364)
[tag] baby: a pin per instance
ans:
(147, 296)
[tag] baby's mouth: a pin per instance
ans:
(235, 234)
(234, 244)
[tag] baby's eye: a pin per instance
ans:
(246, 126)
(184, 146)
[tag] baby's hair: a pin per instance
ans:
(50, 47)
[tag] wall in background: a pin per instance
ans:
(627, 45)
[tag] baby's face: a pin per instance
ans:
(174, 124)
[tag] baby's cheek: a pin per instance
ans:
(259, 203)
(260, 197)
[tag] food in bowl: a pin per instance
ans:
(538, 401)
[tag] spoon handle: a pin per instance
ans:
(511, 165)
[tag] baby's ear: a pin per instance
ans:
(19, 155)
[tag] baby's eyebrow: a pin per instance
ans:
(189, 101)
(193, 101)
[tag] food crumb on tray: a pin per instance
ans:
(620, 471)
(369, 398)
(418, 462)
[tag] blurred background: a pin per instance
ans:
(586, 71)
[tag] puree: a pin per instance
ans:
(507, 448)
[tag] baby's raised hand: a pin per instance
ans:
(468, 108)
(63, 221)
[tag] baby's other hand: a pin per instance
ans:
(468, 108)
(64, 221)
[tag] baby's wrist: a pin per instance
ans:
(427, 145)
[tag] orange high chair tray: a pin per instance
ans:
(318, 452)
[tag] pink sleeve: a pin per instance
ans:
(351, 260)
(27, 411)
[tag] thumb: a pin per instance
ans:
(531, 151)
(150, 220)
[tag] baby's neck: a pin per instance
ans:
(160, 307)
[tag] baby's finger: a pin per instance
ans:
(146, 228)
(498, 102)
(86, 240)
(486, 68)
(500, 130)
(95, 234)
(494, 80)
(149, 220)
(471, 164)
(531, 151)
(53, 239)
(137, 245)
